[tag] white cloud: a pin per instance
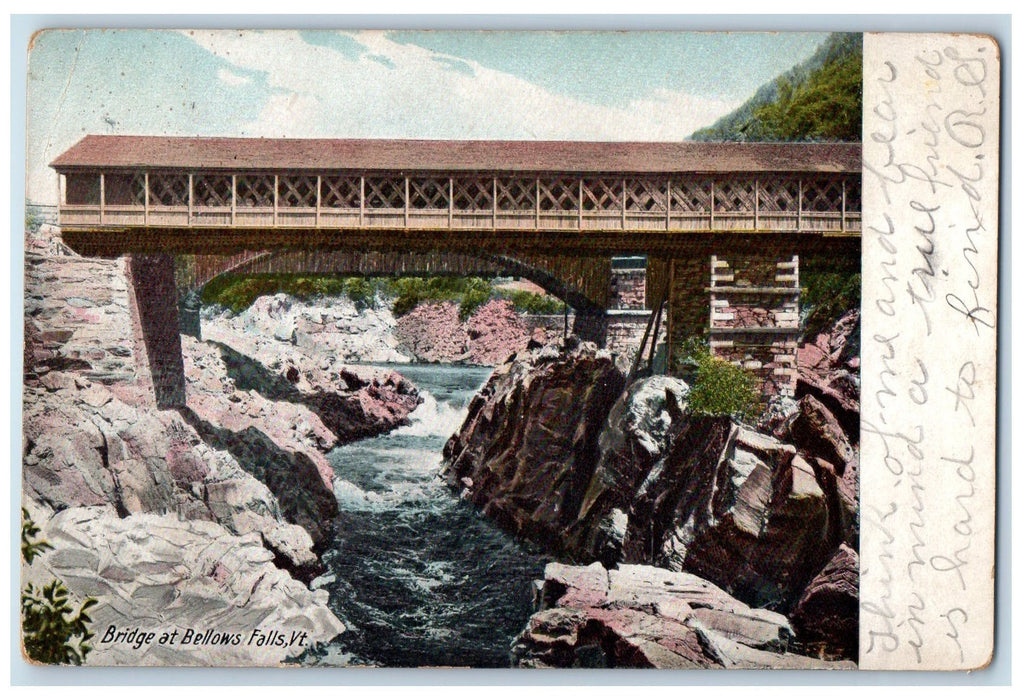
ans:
(232, 79)
(321, 92)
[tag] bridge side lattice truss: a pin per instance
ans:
(818, 202)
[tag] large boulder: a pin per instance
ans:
(164, 575)
(529, 444)
(642, 481)
(734, 506)
(645, 617)
(818, 434)
(826, 616)
(92, 435)
(214, 396)
(631, 443)
(292, 477)
(83, 446)
(828, 370)
(351, 402)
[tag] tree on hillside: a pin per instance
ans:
(818, 100)
(826, 107)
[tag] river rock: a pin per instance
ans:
(162, 574)
(835, 462)
(495, 332)
(530, 440)
(213, 396)
(92, 435)
(659, 486)
(292, 477)
(432, 332)
(736, 507)
(316, 328)
(78, 453)
(826, 616)
(762, 531)
(631, 442)
(644, 617)
(828, 370)
(352, 403)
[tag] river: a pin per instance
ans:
(418, 576)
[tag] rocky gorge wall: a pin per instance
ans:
(168, 516)
(336, 331)
(559, 451)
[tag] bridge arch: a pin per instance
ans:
(583, 283)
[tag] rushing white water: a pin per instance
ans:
(419, 577)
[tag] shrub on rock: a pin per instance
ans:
(721, 388)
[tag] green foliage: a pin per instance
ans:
(472, 300)
(237, 293)
(831, 286)
(31, 549)
(817, 100)
(721, 388)
(53, 632)
(532, 303)
(686, 356)
(826, 107)
(468, 292)
(361, 292)
(405, 302)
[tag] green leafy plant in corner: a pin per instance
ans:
(53, 631)
(721, 388)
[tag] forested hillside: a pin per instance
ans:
(818, 100)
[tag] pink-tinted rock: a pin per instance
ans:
(351, 402)
(575, 586)
(837, 396)
(842, 492)
(495, 332)
(762, 531)
(212, 395)
(650, 618)
(94, 437)
(815, 430)
(529, 442)
(631, 442)
(826, 617)
(828, 371)
(433, 333)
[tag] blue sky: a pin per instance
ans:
(656, 86)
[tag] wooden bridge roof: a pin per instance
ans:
(187, 153)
